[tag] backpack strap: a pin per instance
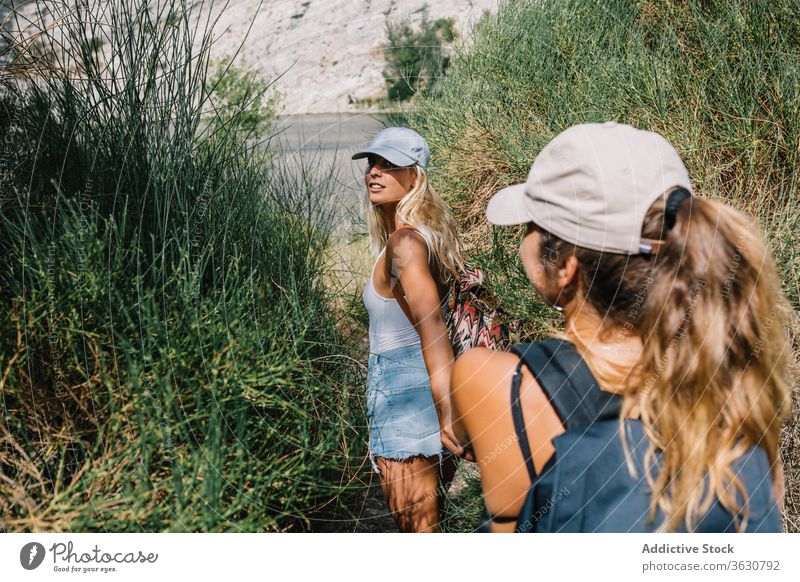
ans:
(568, 383)
(573, 393)
(519, 421)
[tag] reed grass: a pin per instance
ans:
(170, 359)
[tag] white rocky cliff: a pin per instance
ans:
(329, 52)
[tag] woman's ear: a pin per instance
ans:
(566, 283)
(567, 273)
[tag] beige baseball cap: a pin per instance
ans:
(592, 186)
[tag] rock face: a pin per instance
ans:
(329, 52)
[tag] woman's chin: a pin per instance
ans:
(377, 199)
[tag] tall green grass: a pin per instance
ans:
(169, 358)
(720, 80)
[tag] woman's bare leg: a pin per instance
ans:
(412, 489)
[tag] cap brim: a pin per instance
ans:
(508, 206)
(394, 156)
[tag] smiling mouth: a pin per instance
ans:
(375, 187)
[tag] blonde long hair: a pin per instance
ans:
(426, 211)
(711, 378)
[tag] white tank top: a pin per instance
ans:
(389, 328)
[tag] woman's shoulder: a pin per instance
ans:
(497, 361)
(408, 243)
(485, 376)
(488, 372)
(407, 235)
(481, 358)
(404, 245)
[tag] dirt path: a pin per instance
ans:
(368, 512)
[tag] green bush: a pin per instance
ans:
(720, 80)
(169, 359)
(415, 59)
(238, 92)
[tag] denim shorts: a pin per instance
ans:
(400, 410)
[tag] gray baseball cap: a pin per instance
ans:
(592, 186)
(399, 145)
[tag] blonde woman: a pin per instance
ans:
(659, 406)
(411, 358)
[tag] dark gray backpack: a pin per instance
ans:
(586, 486)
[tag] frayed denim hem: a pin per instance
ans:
(405, 455)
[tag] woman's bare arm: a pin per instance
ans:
(407, 262)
